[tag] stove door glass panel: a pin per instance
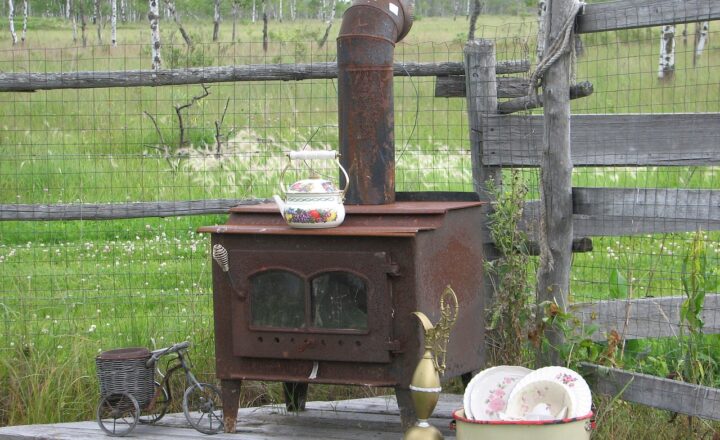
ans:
(277, 299)
(339, 301)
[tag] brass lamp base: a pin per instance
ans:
(423, 431)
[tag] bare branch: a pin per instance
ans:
(218, 125)
(180, 108)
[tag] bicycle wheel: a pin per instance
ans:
(117, 414)
(158, 406)
(203, 408)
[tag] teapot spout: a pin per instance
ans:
(280, 203)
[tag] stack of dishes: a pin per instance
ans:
(510, 393)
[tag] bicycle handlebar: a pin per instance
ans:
(157, 354)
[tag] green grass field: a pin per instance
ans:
(72, 289)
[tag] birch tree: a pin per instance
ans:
(113, 22)
(254, 11)
(123, 11)
(329, 23)
(293, 9)
(170, 5)
(83, 25)
(701, 35)
(280, 11)
(154, 17)
(666, 70)
(98, 20)
(67, 9)
(235, 10)
(216, 20)
(74, 28)
(11, 17)
(25, 22)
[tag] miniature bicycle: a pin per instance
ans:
(130, 393)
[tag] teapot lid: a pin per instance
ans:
(312, 186)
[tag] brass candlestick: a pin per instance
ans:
(425, 384)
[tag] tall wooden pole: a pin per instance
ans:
(556, 228)
(482, 103)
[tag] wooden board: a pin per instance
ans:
(454, 87)
(375, 417)
(609, 140)
(657, 392)
(114, 211)
(634, 211)
(644, 317)
(628, 14)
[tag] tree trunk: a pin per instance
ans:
(235, 8)
(473, 19)
(701, 35)
(123, 11)
(329, 23)
(542, 12)
(67, 9)
(666, 71)
(265, 25)
(25, 21)
(216, 21)
(321, 12)
(254, 12)
(293, 9)
(113, 22)
(456, 8)
(154, 17)
(98, 21)
(176, 18)
(74, 28)
(280, 11)
(11, 17)
(83, 27)
(467, 10)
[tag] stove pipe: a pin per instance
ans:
(365, 46)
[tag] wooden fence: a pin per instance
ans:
(502, 140)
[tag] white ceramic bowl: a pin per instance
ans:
(540, 400)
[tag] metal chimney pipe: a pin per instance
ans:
(365, 47)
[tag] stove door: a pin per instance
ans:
(333, 306)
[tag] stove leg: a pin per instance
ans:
(230, 393)
(407, 410)
(295, 395)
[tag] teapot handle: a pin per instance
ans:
(314, 155)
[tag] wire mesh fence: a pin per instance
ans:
(103, 284)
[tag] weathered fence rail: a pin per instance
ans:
(643, 318)
(32, 81)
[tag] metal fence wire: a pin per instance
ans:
(81, 286)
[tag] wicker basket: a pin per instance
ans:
(124, 371)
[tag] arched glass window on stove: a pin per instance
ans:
(277, 299)
(339, 300)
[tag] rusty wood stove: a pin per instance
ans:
(334, 305)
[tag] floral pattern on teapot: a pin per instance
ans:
(305, 186)
(310, 216)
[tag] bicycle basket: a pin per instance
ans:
(124, 371)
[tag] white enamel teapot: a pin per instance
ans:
(312, 202)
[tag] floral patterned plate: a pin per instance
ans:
(582, 397)
(540, 400)
(487, 393)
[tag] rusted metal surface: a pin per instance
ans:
(365, 47)
(404, 273)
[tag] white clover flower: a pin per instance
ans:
(92, 328)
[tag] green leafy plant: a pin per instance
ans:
(697, 281)
(511, 312)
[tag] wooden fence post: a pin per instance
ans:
(481, 95)
(556, 228)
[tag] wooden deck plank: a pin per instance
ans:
(373, 417)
